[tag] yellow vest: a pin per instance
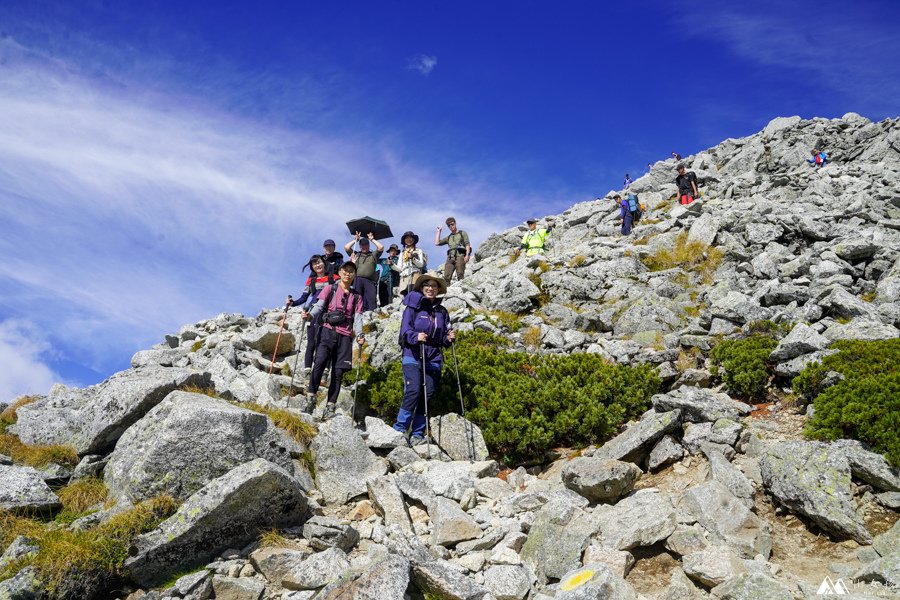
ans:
(533, 241)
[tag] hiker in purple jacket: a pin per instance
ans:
(624, 214)
(425, 322)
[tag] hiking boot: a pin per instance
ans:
(309, 403)
(416, 440)
(329, 411)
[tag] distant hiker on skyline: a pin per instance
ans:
(412, 261)
(649, 167)
(819, 158)
(627, 180)
(687, 185)
(676, 156)
(425, 324)
(535, 239)
(315, 283)
(366, 261)
(333, 260)
(458, 250)
(340, 307)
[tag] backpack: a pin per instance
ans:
(634, 206)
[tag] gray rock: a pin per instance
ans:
(664, 453)
(490, 539)
(344, 464)
(795, 366)
(869, 466)
(93, 419)
(600, 480)
(885, 570)
(402, 456)
(681, 588)
(449, 479)
(645, 517)
(728, 519)
(557, 539)
(385, 580)
(91, 465)
(704, 229)
(699, 405)
(228, 512)
(695, 436)
(237, 588)
(888, 541)
(725, 431)
(861, 329)
(276, 563)
(187, 441)
(23, 491)
(814, 481)
(416, 488)
(492, 487)
(619, 561)
(631, 444)
(855, 249)
(458, 437)
(23, 586)
(713, 566)
(440, 580)
(21, 546)
(387, 499)
(317, 571)
(195, 586)
(686, 539)
(889, 500)
(508, 582)
(728, 475)
(382, 435)
(451, 524)
(263, 339)
(327, 532)
(594, 581)
(750, 586)
(802, 339)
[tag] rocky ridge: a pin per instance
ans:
(699, 498)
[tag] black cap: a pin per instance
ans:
(328, 243)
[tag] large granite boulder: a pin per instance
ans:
(226, 513)
(451, 524)
(802, 339)
(187, 441)
(458, 437)
(557, 539)
(642, 519)
(344, 463)
(813, 480)
(632, 444)
(387, 500)
(594, 581)
(23, 491)
(385, 580)
(94, 418)
(600, 480)
(700, 405)
(438, 579)
(728, 518)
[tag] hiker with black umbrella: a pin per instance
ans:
(424, 333)
(366, 261)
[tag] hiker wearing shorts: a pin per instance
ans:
(687, 185)
(458, 250)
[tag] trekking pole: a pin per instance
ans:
(297, 358)
(425, 391)
(470, 433)
(278, 340)
(356, 385)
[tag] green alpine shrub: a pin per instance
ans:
(742, 364)
(526, 405)
(865, 406)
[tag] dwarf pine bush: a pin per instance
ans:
(741, 364)
(864, 406)
(526, 405)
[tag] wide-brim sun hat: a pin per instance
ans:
(409, 234)
(421, 278)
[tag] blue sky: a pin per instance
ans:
(161, 162)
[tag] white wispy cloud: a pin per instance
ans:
(423, 63)
(124, 215)
(22, 346)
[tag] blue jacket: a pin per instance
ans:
(423, 315)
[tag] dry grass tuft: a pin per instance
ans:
(293, 425)
(273, 539)
(9, 416)
(577, 261)
(531, 337)
(692, 257)
(196, 389)
(79, 496)
(36, 456)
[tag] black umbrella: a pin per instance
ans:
(379, 229)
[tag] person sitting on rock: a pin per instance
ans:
(534, 240)
(412, 261)
(425, 324)
(818, 159)
(315, 283)
(340, 307)
(687, 185)
(458, 250)
(366, 261)
(333, 260)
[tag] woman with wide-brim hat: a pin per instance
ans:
(412, 261)
(425, 324)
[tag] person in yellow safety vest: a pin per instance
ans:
(534, 239)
